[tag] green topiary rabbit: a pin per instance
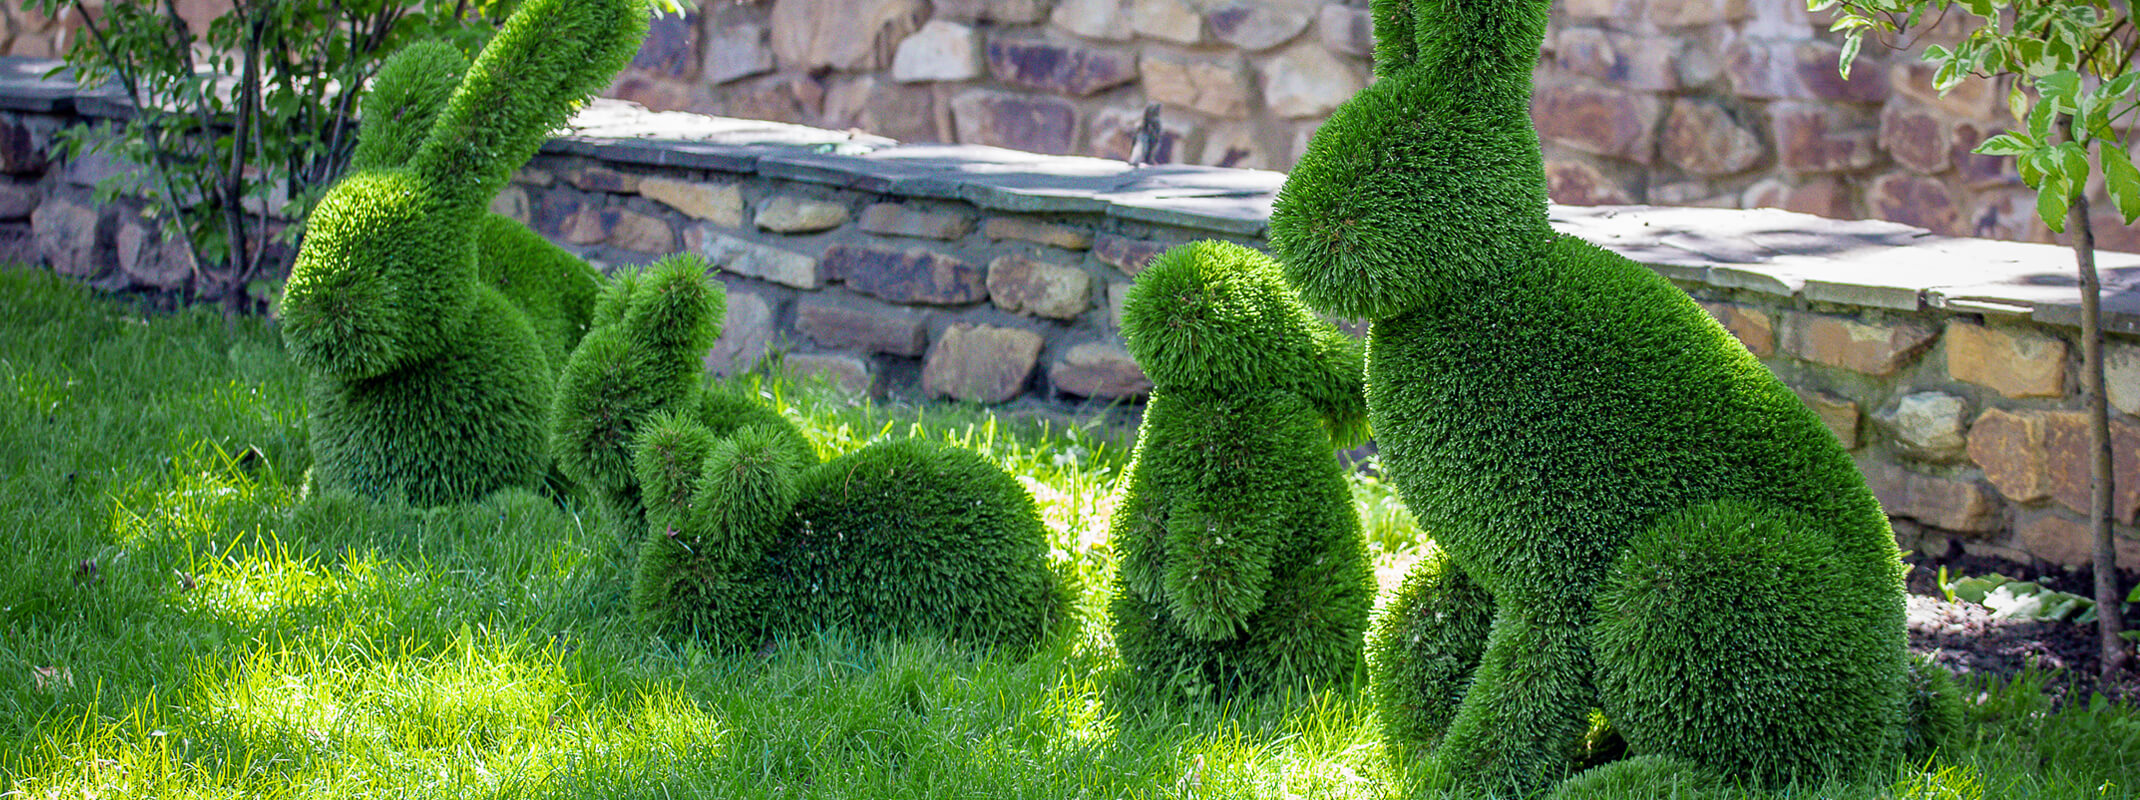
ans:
(431, 328)
(1243, 564)
(751, 536)
(1636, 515)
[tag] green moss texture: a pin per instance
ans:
(1646, 521)
(432, 329)
(1242, 561)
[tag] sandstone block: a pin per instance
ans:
(75, 239)
(2067, 456)
(1688, 13)
(1026, 230)
(1870, 348)
(941, 51)
(2121, 376)
(151, 261)
(751, 259)
(1094, 19)
(1578, 183)
(1630, 61)
(903, 111)
(1114, 135)
(1927, 425)
(1215, 88)
(657, 94)
(719, 204)
(670, 49)
(1097, 369)
(1124, 253)
(22, 151)
(1799, 70)
(847, 372)
(1307, 81)
(1170, 20)
(1939, 502)
(602, 179)
(2009, 447)
(1023, 285)
(1704, 139)
(980, 363)
(787, 213)
(586, 225)
(2066, 541)
(1971, 99)
(1915, 200)
(512, 202)
(2016, 363)
(862, 326)
(1255, 26)
(1015, 12)
(746, 334)
(1751, 326)
(735, 51)
(18, 200)
(1062, 69)
(906, 276)
(843, 35)
(1238, 145)
(1036, 124)
(535, 177)
(1840, 415)
(1916, 139)
(896, 219)
(640, 233)
(1346, 29)
(1820, 195)
(1814, 139)
(1607, 122)
(1607, 9)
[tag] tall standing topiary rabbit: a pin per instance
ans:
(431, 328)
(744, 535)
(1636, 516)
(1243, 564)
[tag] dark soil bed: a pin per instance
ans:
(1964, 637)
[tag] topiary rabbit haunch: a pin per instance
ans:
(1636, 515)
(1243, 564)
(431, 328)
(747, 536)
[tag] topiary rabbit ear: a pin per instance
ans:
(403, 101)
(1396, 36)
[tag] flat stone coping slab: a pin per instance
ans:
(1859, 263)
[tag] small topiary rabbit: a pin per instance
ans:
(1243, 565)
(751, 538)
(431, 328)
(1636, 516)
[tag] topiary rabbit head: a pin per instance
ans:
(1218, 317)
(1432, 176)
(386, 274)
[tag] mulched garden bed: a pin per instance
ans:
(1963, 636)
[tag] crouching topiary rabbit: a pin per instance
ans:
(1242, 561)
(746, 537)
(1635, 517)
(432, 329)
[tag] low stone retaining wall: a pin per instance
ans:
(1948, 366)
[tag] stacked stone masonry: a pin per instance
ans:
(1722, 103)
(1948, 366)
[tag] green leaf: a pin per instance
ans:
(2121, 180)
(2006, 144)
(2073, 162)
(2051, 203)
(2061, 86)
(2040, 120)
(1851, 44)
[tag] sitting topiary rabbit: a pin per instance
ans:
(751, 538)
(1636, 516)
(1243, 564)
(432, 329)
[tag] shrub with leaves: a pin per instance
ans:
(1575, 430)
(1242, 561)
(426, 378)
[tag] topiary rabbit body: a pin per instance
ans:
(1242, 560)
(1636, 516)
(431, 328)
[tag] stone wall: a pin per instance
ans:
(1725, 103)
(1948, 366)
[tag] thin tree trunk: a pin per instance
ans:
(2109, 621)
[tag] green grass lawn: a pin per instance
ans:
(178, 620)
